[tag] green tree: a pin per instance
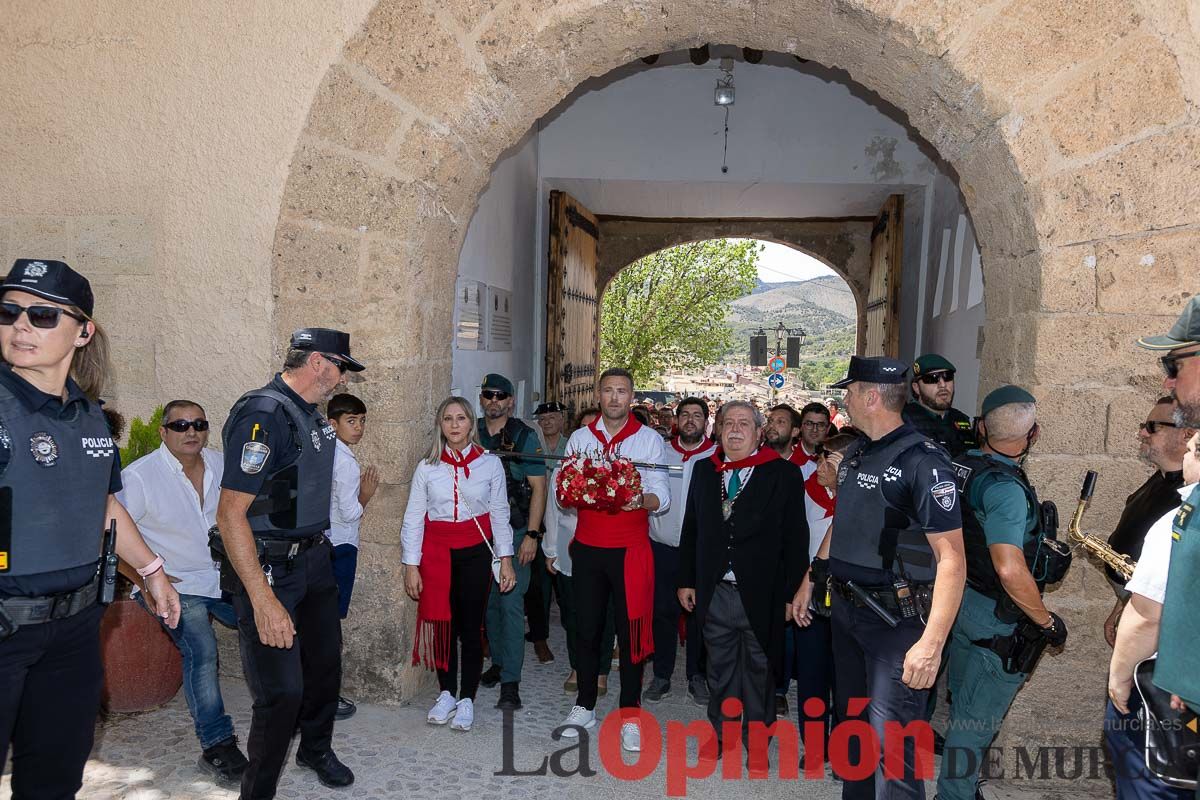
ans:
(668, 311)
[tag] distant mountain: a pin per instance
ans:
(819, 306)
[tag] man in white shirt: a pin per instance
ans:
(172, 496)
(688, 447)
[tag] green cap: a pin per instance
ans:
(1186, 330)
(497, 382)
(1003, 396)
(930, 362)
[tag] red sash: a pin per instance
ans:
(760, 456)
(431, 644)
(631, 530)
(705, 443)
(799, 457)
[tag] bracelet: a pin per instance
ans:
(151, 568)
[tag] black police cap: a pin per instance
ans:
(876, 369)
(549, 408)
(51, 280)
(326, 340)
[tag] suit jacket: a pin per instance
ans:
(768, 532)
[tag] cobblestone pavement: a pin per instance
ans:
(395, 753)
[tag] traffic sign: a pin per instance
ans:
(776, 364)
(776, 381)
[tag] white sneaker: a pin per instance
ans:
(464, 715)
(631, 737)
(442, 710)
(580, 717)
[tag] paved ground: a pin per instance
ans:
(395, 753)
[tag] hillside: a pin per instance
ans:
(818, 306)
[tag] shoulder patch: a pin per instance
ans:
(944, 493)
(254, 457)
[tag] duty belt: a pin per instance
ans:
(17, 611)
(278, 551)
(884, 594)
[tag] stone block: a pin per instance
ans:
(319, 264)
(42, 237)
(1152, 273)
(1126, 413)
(111, 246)
(378, 633)
(1068, 279)
(468, 14)
(396, 447)
(1095, 349)
(396, 391)
(434, 154)
(1113, 101)
(934, 23)
(1144, 186)
(1059, 478)
(353, 116)
(382, 521)
(1074, 420)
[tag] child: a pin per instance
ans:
(352, 491)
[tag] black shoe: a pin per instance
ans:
(939, 743)
(781, 705)
(224, 761)
(658, 689)
(510, 697)
(491, 677)
(330, 771)
(345, 709)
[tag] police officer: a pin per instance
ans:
(1002, 534)
(895, 530)
(931, 409)
(59, 473)
(272, 515)
(500, 431)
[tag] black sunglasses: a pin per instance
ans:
(39, 316)
(494, 394)
(1151, 426)
(1170, 364)
(181, 425)
(932, 378)
(342, 366)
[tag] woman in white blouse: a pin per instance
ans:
(457, 503)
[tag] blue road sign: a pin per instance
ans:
(776, 364)
(776, 381)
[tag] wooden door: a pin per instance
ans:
(572, 306)
(882, 336)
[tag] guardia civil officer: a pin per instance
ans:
(1003, 535)
(272, 515)
(896, 550)
(930, 409)
(59, 473)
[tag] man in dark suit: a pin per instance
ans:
(743, 553)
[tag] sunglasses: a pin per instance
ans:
(39, 316)
(342, 366)
(494, 394)
(934, 377)
(1170, 364)
(1151, 426)
(181, 425)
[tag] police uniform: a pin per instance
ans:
(892, 492)
(506, 610)
(58, 466)
(279, 448)
(953, 430)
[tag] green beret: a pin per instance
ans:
(1003, 396)
(499, 383)
(930, 362)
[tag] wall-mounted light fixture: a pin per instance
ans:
(723, 97)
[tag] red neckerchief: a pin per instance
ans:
(631, 427)
(705, 443)
(762, 456)
(799, 457)
(459, 461)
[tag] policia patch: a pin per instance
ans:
(255, 453)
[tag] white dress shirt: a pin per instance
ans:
(432, 494)
(666, 526)
(645, 446)
(345, 512)
(560, 525)
(1150, 576)
(173, 519)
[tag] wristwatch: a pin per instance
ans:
(536, 534)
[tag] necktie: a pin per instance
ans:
(735, 483)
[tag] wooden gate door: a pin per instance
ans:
(883, 295)
(572, 306)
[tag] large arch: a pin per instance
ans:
(1071, 162)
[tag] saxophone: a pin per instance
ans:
(1122, 564)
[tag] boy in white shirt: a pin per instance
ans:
(352, 490)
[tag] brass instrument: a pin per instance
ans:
(1122, 564)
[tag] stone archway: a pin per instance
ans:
(1075, 166)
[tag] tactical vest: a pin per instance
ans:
(54, 491)
(512, 439)
(294, 499)
(953, 431)
(868, 530)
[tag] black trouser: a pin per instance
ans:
(809, 659)
(868, 659)
(470, 582)
(599, 577)
(666, 618)
(537, 598)
(301, 682)
(50, 680)
(737, 664)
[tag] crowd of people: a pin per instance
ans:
(862, 552)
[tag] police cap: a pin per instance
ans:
(931, 362)
(499, 383)
(1186, 330)
(549, 408)
(875, 369)
(1003, 396)
(326, 340)
(51, 280)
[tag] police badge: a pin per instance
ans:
(944, 493)
(44, 449)
(316, 439)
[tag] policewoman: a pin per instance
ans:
(272, 515)
(59, 473)
(896, 551)
(1003, 537)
